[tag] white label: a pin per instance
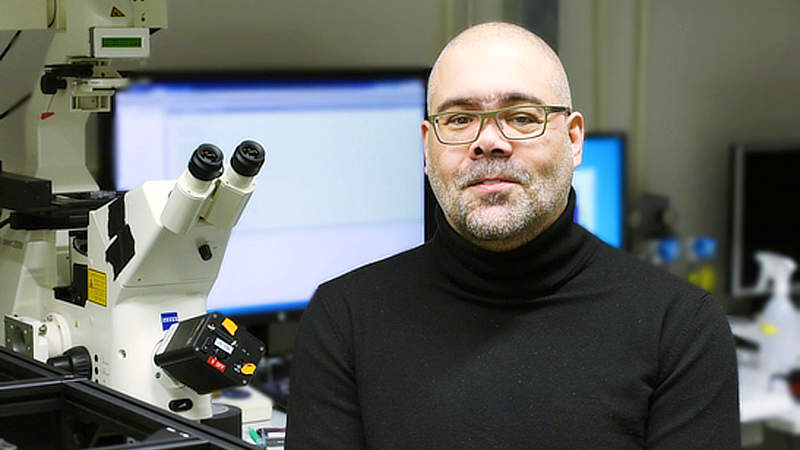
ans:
(224, 345)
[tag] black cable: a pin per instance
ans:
(3, 55)
(55, 13)
(5, 222)
(10, 43)
(16, 35)
(19, 103)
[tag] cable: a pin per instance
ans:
(3, 55)
(10, 43)
(5, 222)
(19, 103)
(55, 13)
(16, 35)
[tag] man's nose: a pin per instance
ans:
(490, 142)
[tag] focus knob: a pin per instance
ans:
(76, 360)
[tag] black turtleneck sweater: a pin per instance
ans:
(564, 343)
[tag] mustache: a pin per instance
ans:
(492, 168)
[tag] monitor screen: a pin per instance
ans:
(764, 183)
(342, 185)
(600, 188)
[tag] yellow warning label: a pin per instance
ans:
(96, 287)
(116, 12)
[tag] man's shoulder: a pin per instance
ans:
(633, 274)
(646, 297)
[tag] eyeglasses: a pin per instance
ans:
(516, 123)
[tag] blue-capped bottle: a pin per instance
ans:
(669, 254)
(701, 253)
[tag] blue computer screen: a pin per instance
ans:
(600, 189)
(342, 185)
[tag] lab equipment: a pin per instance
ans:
(670, 252)
(97, 282)
(214, 340)
(768, 363)
(778, 321)
(701, 254)
(44, 408)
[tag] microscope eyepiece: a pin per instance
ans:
(248, 158)
(206, 162)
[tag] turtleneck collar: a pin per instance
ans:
(516, 276)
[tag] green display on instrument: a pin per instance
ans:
(122, 42)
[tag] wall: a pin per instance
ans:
(257, 34)
(685, 79)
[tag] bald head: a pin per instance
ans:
(498, 37)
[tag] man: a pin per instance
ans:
(513, 327)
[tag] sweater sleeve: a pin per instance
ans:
(323, 410)
(696, 402)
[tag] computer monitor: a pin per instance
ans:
(599, 184)
(764, 184)
(342, 185)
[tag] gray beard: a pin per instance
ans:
(496, 216)
(503, 215)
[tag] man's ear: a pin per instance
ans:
(575, 131)
(426, 130)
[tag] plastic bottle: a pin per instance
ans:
(778, 320)
(702, 252)
(669, 253)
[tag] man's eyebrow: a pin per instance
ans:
(519, 97)
(460, 101)
(502, 100)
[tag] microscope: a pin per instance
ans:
(107, 285)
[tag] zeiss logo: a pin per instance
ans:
(167, 319)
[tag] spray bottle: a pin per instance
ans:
(779, 320)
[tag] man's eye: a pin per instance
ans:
(523, 119)
(459, 120)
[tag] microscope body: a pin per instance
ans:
(93, 280)
(142, 278)
(77, 79)
(146, 262)
(48, 156)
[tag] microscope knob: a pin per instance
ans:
(76, 360)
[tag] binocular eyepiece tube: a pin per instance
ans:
(236, 185)
(194, 191)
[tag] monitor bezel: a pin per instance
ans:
(738, 151)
